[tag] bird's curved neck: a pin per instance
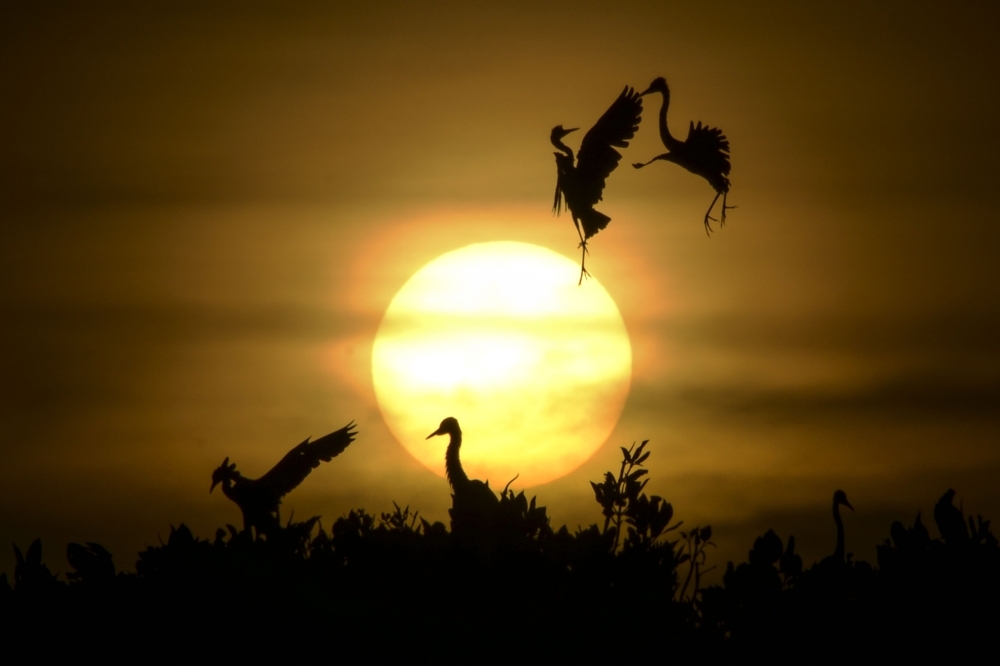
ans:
(668, 140)
(564, 148)
(839, 553)
(452, 465)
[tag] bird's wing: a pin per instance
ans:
(304, 458)
(710, 146)
(597, 157)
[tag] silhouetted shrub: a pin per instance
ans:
(927, 595)
(397, 583)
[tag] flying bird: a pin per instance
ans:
(705, 152)
(258, 499)
(474, 506)
(580, 185)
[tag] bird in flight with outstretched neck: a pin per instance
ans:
(705, 152)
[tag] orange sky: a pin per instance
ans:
(205, 213)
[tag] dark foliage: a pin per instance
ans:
(394, 583)
(926, 595)
(397, 584)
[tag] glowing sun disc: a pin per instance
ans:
(535, 368)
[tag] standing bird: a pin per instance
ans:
(582, 183)
(258, 499)
(704, 153)
(474, 507)
(839, 497)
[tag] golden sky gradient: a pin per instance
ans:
(205, 213)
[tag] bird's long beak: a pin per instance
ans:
(214, 484)
(646, 91)
(567, 131)
(848, 505)
(435, 433)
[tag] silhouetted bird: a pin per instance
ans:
(258, 499)
(474, 506)
(951, 521)
(705, 152)
(582, 184)
(839, 497)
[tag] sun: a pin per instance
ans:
(535, 368)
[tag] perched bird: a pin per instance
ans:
(582, 184)
(258, 499)
(839, 497)
(951, 521)
(474, 506)
(705, 152)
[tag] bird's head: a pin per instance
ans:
(659, 85)
(448, 427)
(225, 471)
(558, 133)
(840, 497)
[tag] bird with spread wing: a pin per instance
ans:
(580, 179)
(259, 499)
(705, 152)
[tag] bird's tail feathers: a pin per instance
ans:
(593, 221)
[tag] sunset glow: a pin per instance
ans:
(209, 214)
(499, 335)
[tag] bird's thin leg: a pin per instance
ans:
(639, 165)
(579, 231)
(725, 208)
(584, 253)
(708, 215)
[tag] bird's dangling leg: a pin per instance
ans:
(579, 232)
(583, 258)
(724, 208)
(708, 215)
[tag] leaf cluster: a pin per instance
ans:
(623, 502)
